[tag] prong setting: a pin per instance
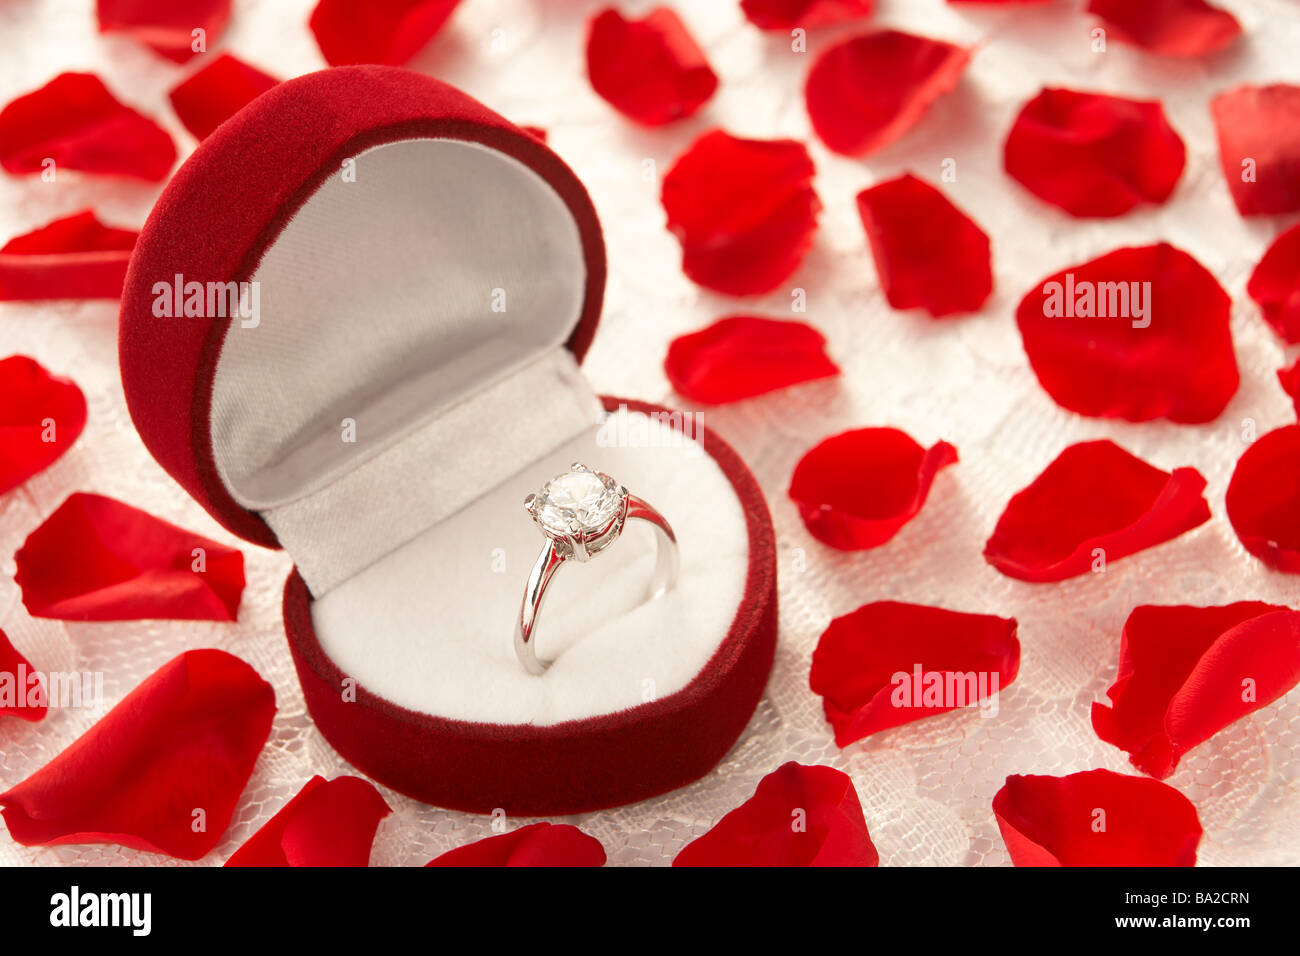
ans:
(582, 511)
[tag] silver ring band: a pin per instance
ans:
(578, 525)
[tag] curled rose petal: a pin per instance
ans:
(22, 688)
(1169, 27)
(744, 211)
(1275, 285)
(1259, 146)
(1094, 504)
(651, 69)
(856, 490)
(786, 15)
(1263, 499)
(541, 844)
(182, 743)
(329, 823)
(40, 417)
(76, 257)
(929, 254)
(1290, 379)
(217, 92)
(97, 559)
(746, 355)
(377, 31)
(1094, 154)
(867, 91)
(74, 121)
(890, 663)
(758, 832)
(1181, 676)
(1096, 818)
(1139, 333)
(166, 26)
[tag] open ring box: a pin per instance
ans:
(394, 370)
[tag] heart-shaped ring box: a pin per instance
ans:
(395, 368)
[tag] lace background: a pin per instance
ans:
(926, 787)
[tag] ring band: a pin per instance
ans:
(581, 513)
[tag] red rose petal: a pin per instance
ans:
(1093, 154)
(929, 254)
(1170, 27)
(651, 69)
(175, 752)
(329, 823)
(40, 418)
(867, 91)
(1182, 674)
(165, 26)
(1095, 495)
(1290, 379)
(97, 559)
(1259, 146)
(877, 667)
(377, 31)
(1096, 818)
(746, 355)
(1176, 361)
(1263, 499)
(856, 490)
(798, 816)
(1275, 285)
(744, 211)
(217, 92)
(541, 844)
(805, 14)
(19, 697)
(75, 121)
(76, 257)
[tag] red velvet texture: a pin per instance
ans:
(229, 202)
(578, 765)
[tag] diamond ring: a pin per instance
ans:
(582, 512)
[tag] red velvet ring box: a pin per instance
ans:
(352, 328)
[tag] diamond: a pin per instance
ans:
(579, 501)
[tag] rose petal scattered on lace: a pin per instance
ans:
(22, 689)
(867, 91)
(1096, 353)
(1094, 154)
(759, 832)
(929, 254)
(377, 31)
(76, 257)
(890, 663)
(746, 355)
(1290, 379)
(856, 490)
(1184, 673)
(744, 211)
(1259, 146)
(178, 749)
(1275, 285)
(166, 26)
(1094, 504)
(40, 417)
(1169, 27)
(1096, 818)
(329, 823)
(541, 844)
(650, 69)
(805, 14)
(217, 92)
(1263, 499)
(74, 121)
(98, 559)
